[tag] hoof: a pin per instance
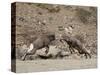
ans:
(22, 58)
(46, 52)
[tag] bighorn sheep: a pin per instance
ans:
(75, 44)
(42, 41)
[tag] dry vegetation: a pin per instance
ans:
(36, 19)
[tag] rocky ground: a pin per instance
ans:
(35, 19)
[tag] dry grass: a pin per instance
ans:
(37, 19)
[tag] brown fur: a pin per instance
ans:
(41, 42)
(75, 44)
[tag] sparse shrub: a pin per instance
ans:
(87, 16)
(68, 7)
(60, 28)
(83, 15)
(49, 7)
(53, 10)
(50, 18)
(94, 48)
(93, 14)
(40, 13)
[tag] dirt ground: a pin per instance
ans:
(54, 65)
(34, 19)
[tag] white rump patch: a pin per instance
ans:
(30, 47)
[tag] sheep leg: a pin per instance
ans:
(87, 54)
(29, 53)
(47, 49)
(71, 49)
(23, 57)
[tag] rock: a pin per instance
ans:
(57, 52)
